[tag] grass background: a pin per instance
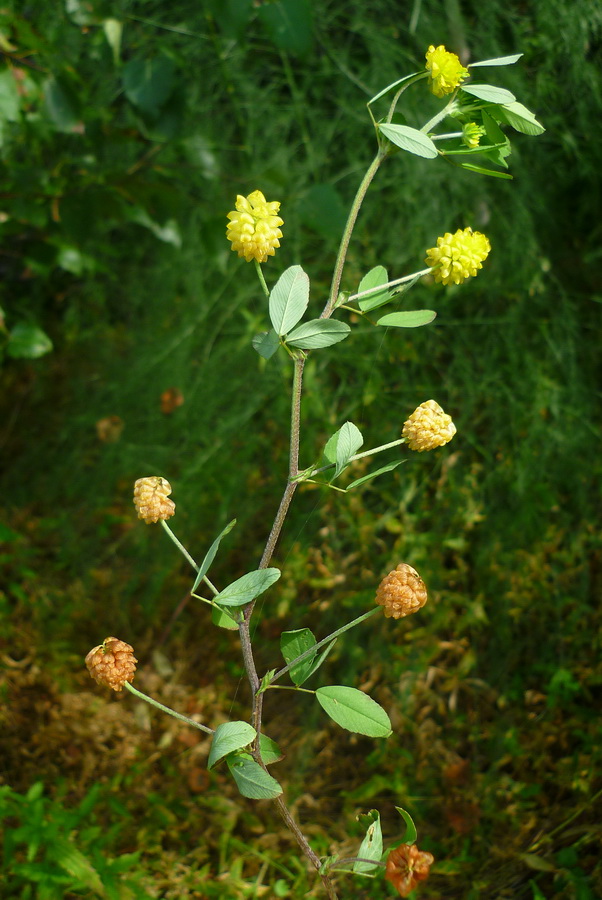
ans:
(494, 689)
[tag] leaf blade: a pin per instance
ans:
(318, 333)
(289, 299)
(410, 139)
(251, 780)
(247, 588)
(229, 737)
(411, 318)
(354, 710)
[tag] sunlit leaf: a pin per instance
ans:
(293, 644)
(251, 780)
(497, 61)
(519, 117)
(372, 845)
(354, 710)
(288, 299)
(375, 277)
(245, 589)
(318, 333)
(410, 834)
(210, 555)
(489, 92)
(228, 737)
(410, 139)
(411, 318)
(266, 343)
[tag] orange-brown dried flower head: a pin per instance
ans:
(112, 663)
(401, 592)
(151, 499)
(406, 866)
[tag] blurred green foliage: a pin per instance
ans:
(127, 129)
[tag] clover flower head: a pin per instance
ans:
(446, 72)
(254, 228)
(151, 499)
(458, 256)
(112, 663)
(401, 592)
(472, 134)
(406, 866)
(428, 427)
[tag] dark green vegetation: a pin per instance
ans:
(113, 217)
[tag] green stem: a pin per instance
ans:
(266, 289)
(185, 553)
(290, 687)
(326, 640)
(439, 116)
(309, 473)
(166, 709)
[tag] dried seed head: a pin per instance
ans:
(151, 499)
(112, 663)
(401, 592)
(406, 866)
(428, 427)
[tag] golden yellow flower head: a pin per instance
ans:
(112, 663)
(457, 256)
(151, 499)
(472, 134)
(428, 427)
(446, 72)
(254, 227)
(401, 592)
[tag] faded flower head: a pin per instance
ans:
(472, 134)
(112, 663)
(406, 866)
(151, 499)
(446, 72)
(401, 592)
(457, 256)
(254, 227)
(428, 427)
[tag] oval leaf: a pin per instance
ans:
(270, 751)
(289, 299)
(497, 61)
(349, 441)
(354, 710)
(490, 93)
(245, 589)
(223, 619)
(266, 343)
(412, 318)
(520, 118)
(410, 139)
(318, 333)
(372, 845)
(251, 780)
(292, 645)
(210, 555)
(375, 277)
(28, 342)
(228, 737)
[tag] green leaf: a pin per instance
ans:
(497, 137)
(480, 170)
(537, 862)
(210, 555)
(10, 107)
(266, 681)
(73, 861)
(518, 117)
(410, 139)
(113, 30)
(223, 619)
(375, 277)
(289, 299)
(318, 333)
(412, 318)
(61, 106)
(372, 845)
(270, 751)
(293, 644)
(228, 737)
(411, 833)
(354, 710)
(489, 92)
(497, 61)
(251, 780)
(149, 82)
(245, 589)
(266, 343)
(395, 84)
(388, 468)
(28, 342)
(349, 442)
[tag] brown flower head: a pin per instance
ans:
(401, 592)
(112, 663)
(151, 499)
(406, 866)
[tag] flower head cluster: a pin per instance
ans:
(446, 72)
(472, 134)
(406, 866)
(254, 227)
(428, 427)
(401, 592)
(112, 663)
(151, 499)
(458, 256)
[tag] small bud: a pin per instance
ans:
(428, 427)
(406, 866)
(401, 592)
(112, 663)
(151, 499)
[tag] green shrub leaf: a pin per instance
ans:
(289, 299)
(489, 92)
(228, 737)
(375, 277)
(293, 644)
(372, 845)
(497, 61)
(518, 117)
(343, 444)
(28, 342)
(210, 554)
(245, 589)
(318, 333)
(412, 318)
(410, 139)
(270, 751)
(251, 780)
(266, 343)
(354, 710)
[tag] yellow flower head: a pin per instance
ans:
(445, 70)
(457, 256)
(254, 227)
(472, 134)
(428, 427)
